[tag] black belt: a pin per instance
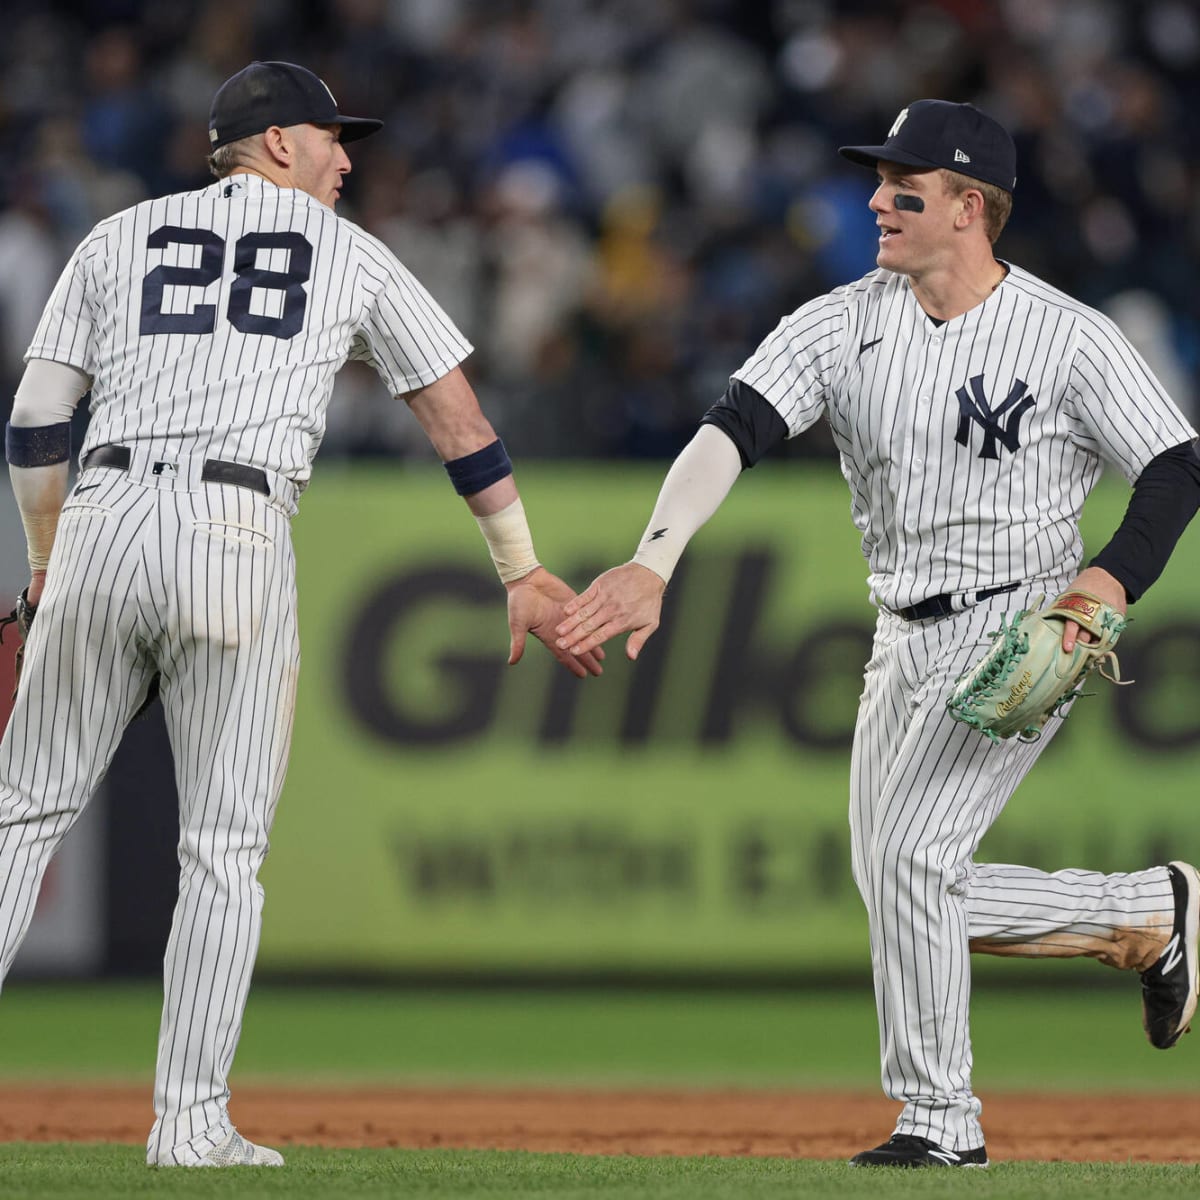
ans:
(214, 470)
(943, 605)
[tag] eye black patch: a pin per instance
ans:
(909, 203)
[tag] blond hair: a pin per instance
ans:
(232, 155)
(997, 203)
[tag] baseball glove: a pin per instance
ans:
(1026, 677)
(22, 617)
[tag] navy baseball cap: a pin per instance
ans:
(277, 93)
(937, 133)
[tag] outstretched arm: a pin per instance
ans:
(482, 474)
(628, 599)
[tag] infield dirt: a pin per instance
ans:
(1039, 1126)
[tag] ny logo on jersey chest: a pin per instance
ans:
(1001, 425)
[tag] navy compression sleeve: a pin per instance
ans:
(1165, 499)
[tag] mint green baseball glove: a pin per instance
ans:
(1026, 677)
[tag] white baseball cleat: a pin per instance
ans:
(235, 1151)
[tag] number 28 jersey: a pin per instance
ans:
(213, 323)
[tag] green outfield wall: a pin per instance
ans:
(444, 812)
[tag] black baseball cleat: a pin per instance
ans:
(1169, 987)
(908, 1150)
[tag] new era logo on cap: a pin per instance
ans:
(938, 133)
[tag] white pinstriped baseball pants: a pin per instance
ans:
(924, 790)
(196, 581)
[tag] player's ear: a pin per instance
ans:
(278, 145)
(971, 206)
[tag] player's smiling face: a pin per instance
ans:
(910, 242)
(320, 161)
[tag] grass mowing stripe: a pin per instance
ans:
(101, 1172)
(1065, 1039)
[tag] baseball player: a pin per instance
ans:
(973, 407)
(209, 327)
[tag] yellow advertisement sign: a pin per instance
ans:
(445, 812)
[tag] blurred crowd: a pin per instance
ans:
(617, 199)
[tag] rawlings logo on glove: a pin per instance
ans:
(1027, 677)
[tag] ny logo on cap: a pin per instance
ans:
(895, 129)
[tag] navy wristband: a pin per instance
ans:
(37, 445)
(474, 472)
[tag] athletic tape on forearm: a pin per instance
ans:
(39, 539)
(39, 493)
(697, 483)
(509, 541)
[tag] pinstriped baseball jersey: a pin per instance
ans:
(969, 446)
(213, 323)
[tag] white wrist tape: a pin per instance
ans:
(509, 541)
(39, 493)
(39, 536)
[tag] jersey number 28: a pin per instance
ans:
(248, 276)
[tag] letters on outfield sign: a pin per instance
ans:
(742, 680)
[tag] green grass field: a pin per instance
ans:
(103, 1171)
(1067, 1039)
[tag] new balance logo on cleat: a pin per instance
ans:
(1172, 956)
(946, 1156)
(1169, 987)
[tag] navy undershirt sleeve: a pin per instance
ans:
(749, 419)
(1165, 499)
